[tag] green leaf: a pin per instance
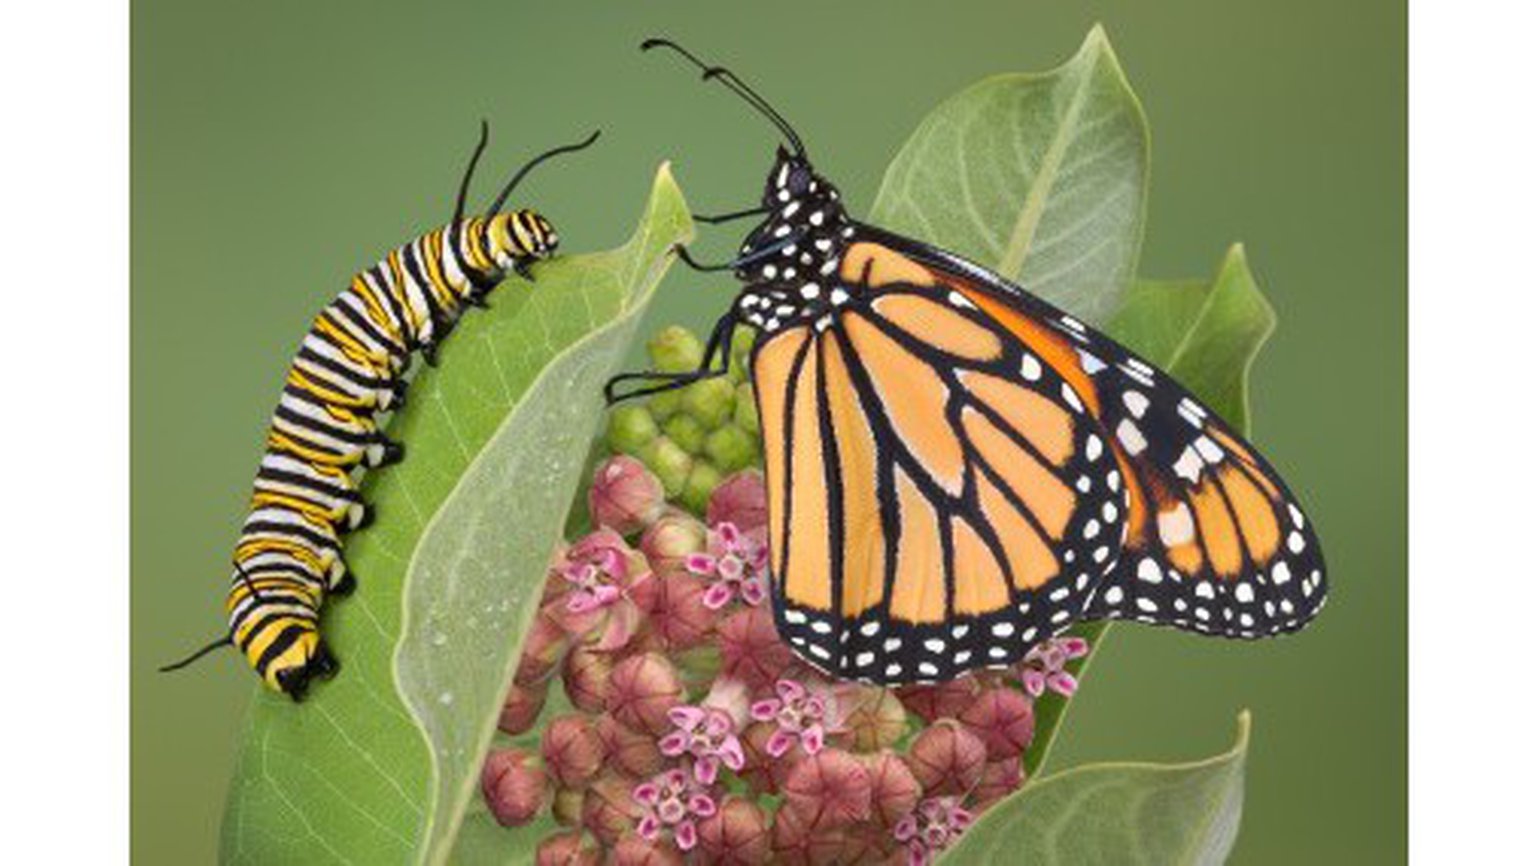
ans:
(380, 764)
(1206, 335)
(1039, 176)
(1116, 813)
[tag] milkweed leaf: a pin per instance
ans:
(381, 764)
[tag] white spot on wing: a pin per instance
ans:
(1175, 525)
(1132, 439)
(1189, 465)
(1136, 402)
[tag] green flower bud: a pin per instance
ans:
(686, 432)
(730, 448)
(745, 412)
(710, 401)
(669, 462)
(743, 342)
(664, 404)
(630, 429)
(702, 480)
(675, 350)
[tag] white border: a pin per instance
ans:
(1475, 158)
(64, 431)
(1475, 412)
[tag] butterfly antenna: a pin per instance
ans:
(465, 182)
(200, 653)
(555, 151)
(732, 82)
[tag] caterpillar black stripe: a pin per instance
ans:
(350, 367)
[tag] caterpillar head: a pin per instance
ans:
(304, 659)
(524, 234)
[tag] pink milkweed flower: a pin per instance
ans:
(600, 570)
(706, 734)
(801, 715)
(672, 802)
(735, 562)
(931, 827)
(1043, 667)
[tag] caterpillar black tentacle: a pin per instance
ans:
(350, 366)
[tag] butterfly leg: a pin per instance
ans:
(744, 260)
(714, 363)
(717, 219)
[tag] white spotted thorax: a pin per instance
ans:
(795, 276)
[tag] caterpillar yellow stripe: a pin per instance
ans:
(350, 366)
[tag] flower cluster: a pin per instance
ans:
(696, 736)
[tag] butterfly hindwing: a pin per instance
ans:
(940, 498)
(1215, 542)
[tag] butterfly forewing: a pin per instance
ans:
(941, 498)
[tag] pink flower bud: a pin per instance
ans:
(752, 651)
(947, 758)
(895, 791)
(567, 848)
(940, 701)
(874, 717)
(572, 749)
(630, 752)
(737, 835)
(830, 790)
(521, 708)
(794, 843)
(636, 851)
(1003, 719)
(515, 789)
(674, 536)
(740, 500)
(642, 691)
(608, 811)
(679, 616)
(1000, 779)
(625, 495)
(585, 676)
(545, 644)
(866, 843)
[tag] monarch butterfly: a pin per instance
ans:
(351, 365)
(958, 470)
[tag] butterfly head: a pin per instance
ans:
(791, 259)
(804, 217)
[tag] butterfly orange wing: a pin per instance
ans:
(940, 497)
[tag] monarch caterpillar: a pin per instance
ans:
(958, 470)
(350, 366)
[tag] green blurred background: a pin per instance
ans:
(280, 146)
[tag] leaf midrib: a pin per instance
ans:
(1025, 229)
